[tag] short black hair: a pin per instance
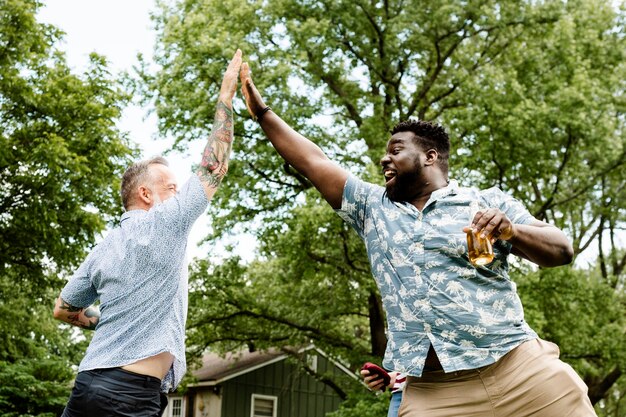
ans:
(428, 135)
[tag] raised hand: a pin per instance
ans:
(254, 101)
(229, 82)
(214, 164)
(299, 152)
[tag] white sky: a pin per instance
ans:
(119, 30)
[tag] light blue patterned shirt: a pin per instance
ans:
(139, 274)
(431, 293)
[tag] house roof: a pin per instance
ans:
(216, 368)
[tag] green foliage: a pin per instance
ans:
(354, 68)
(545, 124)
(294, 298)
(59, 167)
(363, 404)
(613, 404)
(62, 154)
(34, 387)
(579, 313)
(36, 357)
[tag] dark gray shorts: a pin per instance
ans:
(115, 392)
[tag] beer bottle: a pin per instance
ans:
(479, 249)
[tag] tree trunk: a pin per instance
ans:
(599, 387)
(377, 324)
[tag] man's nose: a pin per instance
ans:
(385, 159)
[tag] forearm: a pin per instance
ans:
(298, 151)
(544, 245)
(216, 154)
(86, 318)
(307, 158)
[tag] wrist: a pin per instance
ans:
(226, 100)
(261, 113)
(509, 233)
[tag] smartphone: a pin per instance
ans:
(378, 371)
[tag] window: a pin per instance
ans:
(311, 361)
(175, 407)
(264, 406)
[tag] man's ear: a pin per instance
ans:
(144, 194)
(431, 156)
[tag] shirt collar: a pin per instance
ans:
(451, 189)
(132, 213)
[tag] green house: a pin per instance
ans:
(261, 384)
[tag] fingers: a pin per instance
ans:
(229, 83)
(235, 63)
(373, 382)
(246, 83)
(254, 101)
(492, 223)
(487, 222)
(246, 80)
(507, 233)
(244, 73)
(233, 66)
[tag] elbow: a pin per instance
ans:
(567, 254)
(563, 251)
(56, 313)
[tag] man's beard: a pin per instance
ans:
(404, 186)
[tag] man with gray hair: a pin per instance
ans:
(139, 274)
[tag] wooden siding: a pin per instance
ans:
(299, 394)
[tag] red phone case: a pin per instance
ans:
(377, 370)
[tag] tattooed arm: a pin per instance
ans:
(87, 318)
(216, 154)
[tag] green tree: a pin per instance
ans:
(59, 167)
(363, 404)
(532, 93)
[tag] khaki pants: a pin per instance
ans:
(530, 380)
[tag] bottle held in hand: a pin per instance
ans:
(479, 249)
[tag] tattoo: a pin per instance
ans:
(216, 154)
(70, 308)
(90, 326)
(83, 316)
(75, 320)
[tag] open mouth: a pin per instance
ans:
(389, 174)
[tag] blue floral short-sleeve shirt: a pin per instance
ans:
(431, 293)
